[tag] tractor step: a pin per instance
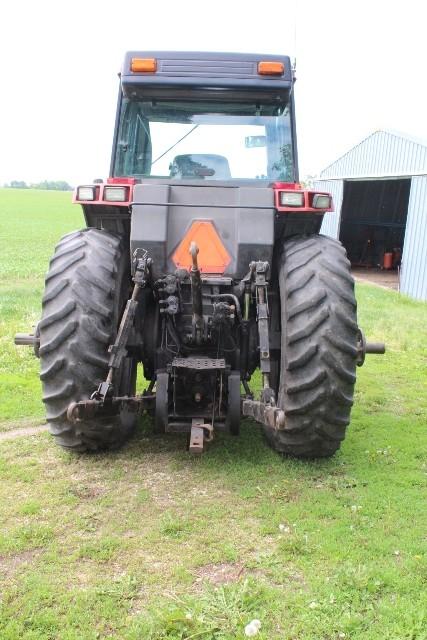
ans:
(199, 363)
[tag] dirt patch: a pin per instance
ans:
(381, 277)
(10, 565)
(87, 492)
(227, 573)
(21, 423)
(23, 431)
(175, 487)
(218, 574)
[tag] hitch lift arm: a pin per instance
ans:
(263, 410)
(104, 394)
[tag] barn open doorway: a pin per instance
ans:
(372, 227)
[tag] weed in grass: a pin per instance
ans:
(142, 496)
(172, 526)
(219, 613)
(102, 549)
(30, 508)
(89, 522)
(25, 538)
(19, 471)
(296, 545)
(124, 587)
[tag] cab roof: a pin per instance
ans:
(195, 69)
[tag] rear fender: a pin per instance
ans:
(166, 215)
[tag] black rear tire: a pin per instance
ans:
(318, 347)
(87, 285)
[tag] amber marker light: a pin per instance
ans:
(143, 65)
(271, 68)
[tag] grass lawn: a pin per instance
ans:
(151, 544)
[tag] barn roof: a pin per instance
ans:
(383, 153)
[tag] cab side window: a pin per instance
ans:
(133, 155)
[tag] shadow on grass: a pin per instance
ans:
(245, 458)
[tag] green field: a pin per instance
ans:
(151, 544)
(31, 223)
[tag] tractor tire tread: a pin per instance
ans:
(319, 347)
(76, 327)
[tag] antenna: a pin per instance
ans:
(294, 62)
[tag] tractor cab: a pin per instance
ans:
(195, 118)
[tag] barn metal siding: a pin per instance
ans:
(381, 155)
(386, 155)
(331, 221)
(414, 260)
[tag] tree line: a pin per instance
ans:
(49, 185)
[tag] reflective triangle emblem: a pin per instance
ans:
(213, 256)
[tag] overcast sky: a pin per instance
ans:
(361, 66)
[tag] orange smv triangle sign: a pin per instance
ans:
(213, 256)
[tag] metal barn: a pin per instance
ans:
(380, 196)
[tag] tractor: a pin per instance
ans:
(202, 261)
